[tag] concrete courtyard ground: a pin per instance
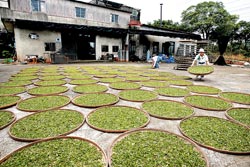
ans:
(226, 78)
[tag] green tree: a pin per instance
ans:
(244, 31)
(224, 32)
(241, 40)
(169, 24)
(212, 21)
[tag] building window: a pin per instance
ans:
(155, 47)
(105, 48)
(192, 50)
(50, 46)
(187, 50)
(135, 15)
(80, 12)
(115, 48)
(132, 47)
(38, 5)
(180, 51)
(114, 18)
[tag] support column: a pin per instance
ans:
(126, 48)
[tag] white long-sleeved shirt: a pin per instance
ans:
(201, 60)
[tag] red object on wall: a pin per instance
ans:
(134, 23)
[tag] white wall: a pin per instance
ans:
(162, 39)
(106, 41)
(27, 46)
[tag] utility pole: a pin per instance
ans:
(161, 15)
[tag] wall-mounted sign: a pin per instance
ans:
(33, 36)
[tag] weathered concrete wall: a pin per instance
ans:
(106, 41)
(27, 46)
(63, 11)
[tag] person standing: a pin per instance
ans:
(201, 59)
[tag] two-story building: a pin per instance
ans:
(85, 31)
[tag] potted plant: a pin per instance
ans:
(8, 56)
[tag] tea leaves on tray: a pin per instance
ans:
(155, 148)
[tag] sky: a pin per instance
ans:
(172, 9)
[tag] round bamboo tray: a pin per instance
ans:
(130, 154)
(241, 98)
(5, 102)
(42, 154)
(7, 122)
(200, 70)
(45, 125)
(171, 106)
(36, 103)
(202, 102)
(243, 119)
(209, 134)
(95, 100)
(125, 118)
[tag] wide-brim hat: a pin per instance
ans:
(201, 50)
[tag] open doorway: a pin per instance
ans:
(86, 47)
(78, 46)
(168, 48)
